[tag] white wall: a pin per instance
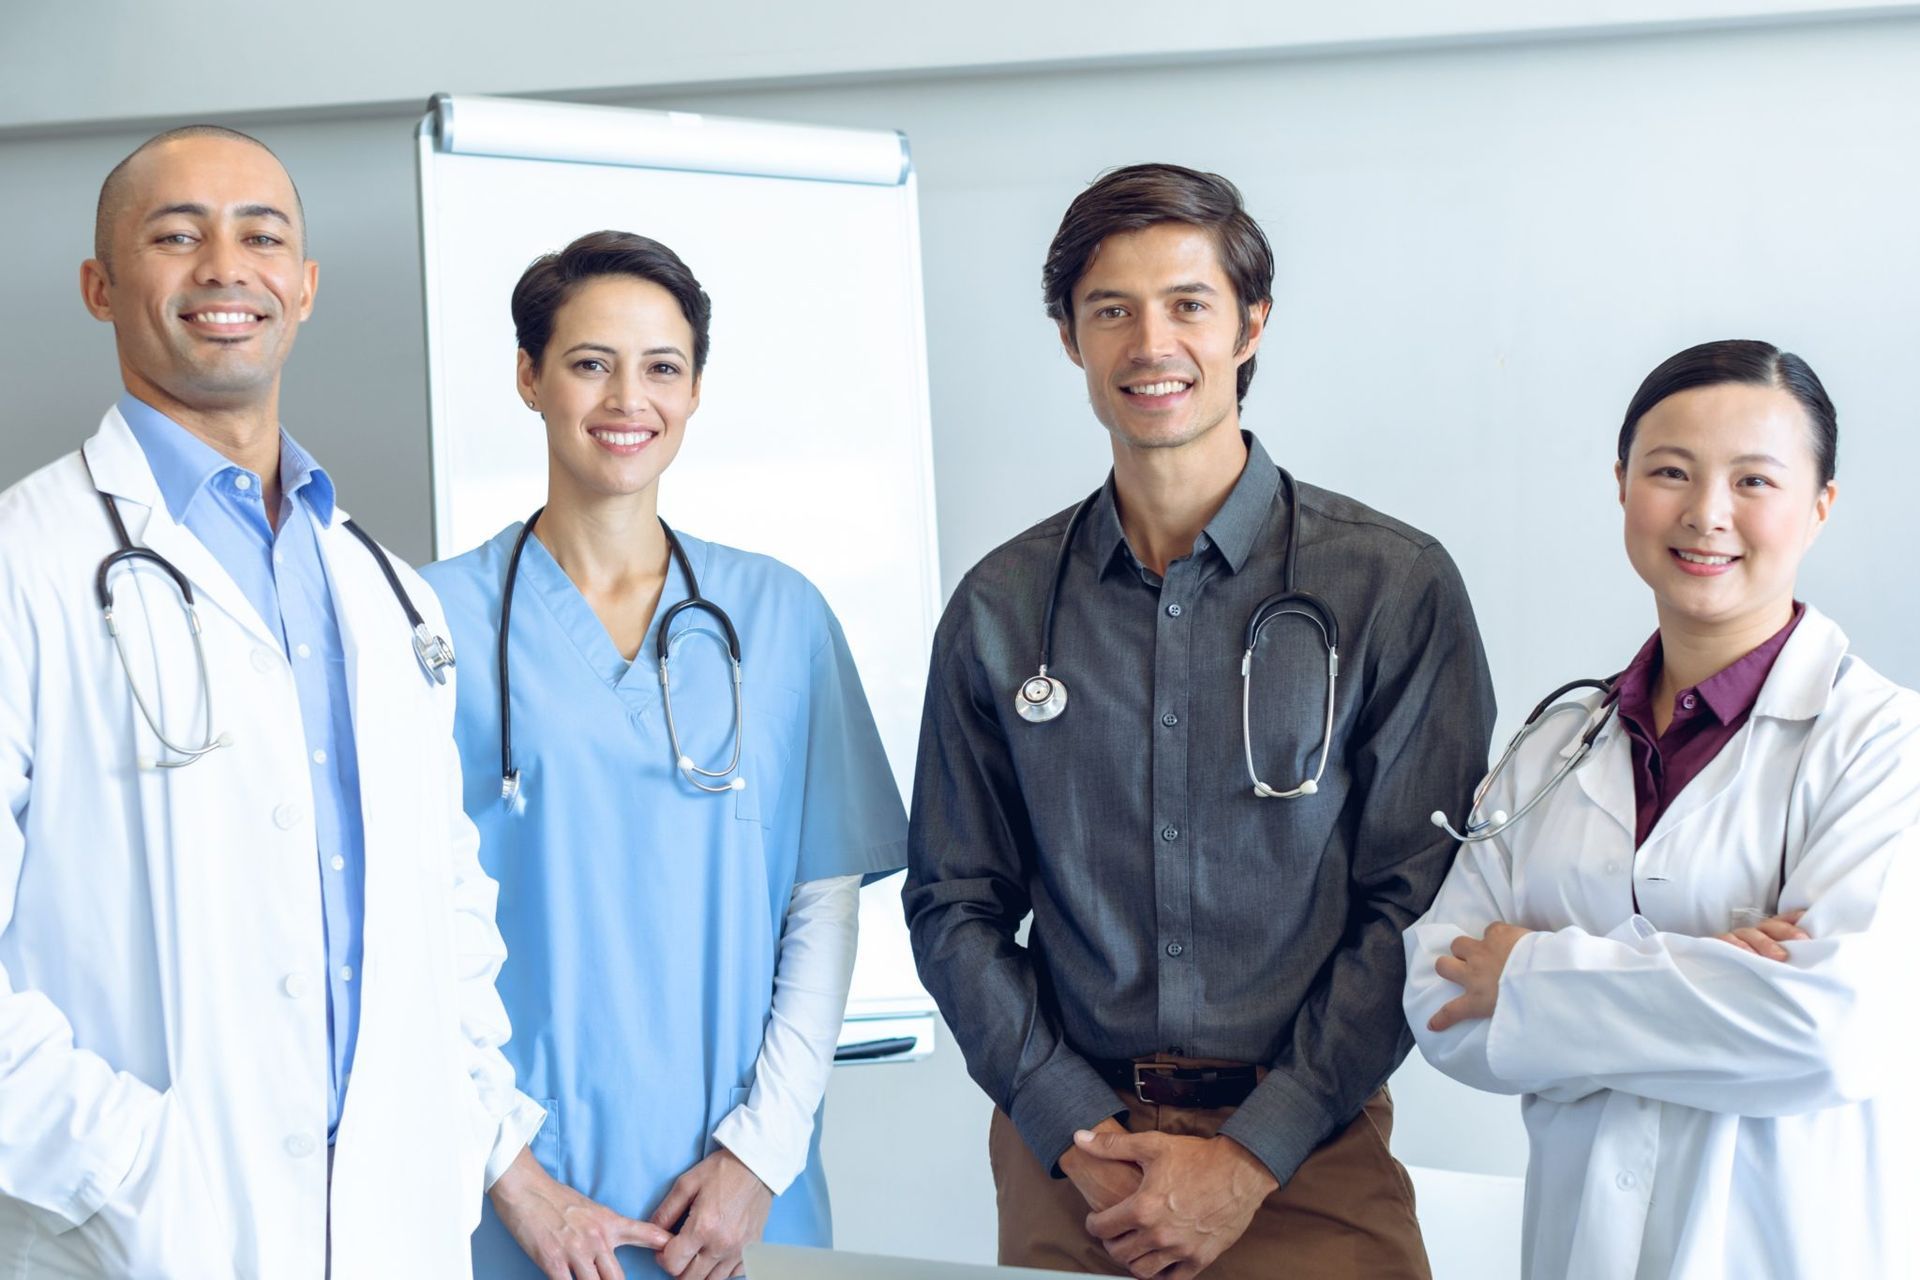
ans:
(1483, 249)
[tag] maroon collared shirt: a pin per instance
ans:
(1705, 719)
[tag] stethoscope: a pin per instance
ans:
(1553, 704)
(729, 779)
(433, 651)
(1042, 697)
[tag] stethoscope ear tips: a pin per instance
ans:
(1438, 819)
(738, 784)
(684, 764)
(1499, 817)
(1309, 787)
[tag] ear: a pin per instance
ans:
(1256, 329)
(1822, 508)
(94, 289)
(525, 382)
(1620, 479)
(309, 286)
(1068, 345)
(694, 403)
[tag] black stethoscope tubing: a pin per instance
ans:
(510, 776)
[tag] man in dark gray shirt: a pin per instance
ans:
(1189, 1054)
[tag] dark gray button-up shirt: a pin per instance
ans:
(1173, 910)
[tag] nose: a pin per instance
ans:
(1709, 507)
(1152, 338)
(221, 263)
(626, 394)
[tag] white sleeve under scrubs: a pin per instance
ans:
(644, 917)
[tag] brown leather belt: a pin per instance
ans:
(1169, 1084)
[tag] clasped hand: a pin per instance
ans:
(1163, 1205)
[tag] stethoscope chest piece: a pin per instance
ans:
(1041, 698)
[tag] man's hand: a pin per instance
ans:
(720, 1208)
(1104, 1182)
(1195, 1199)
(1764, 939)
(1476, 965)
(568, 1236)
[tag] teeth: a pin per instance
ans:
(1158, 388)
(224, 317)
(1692, 558)
(624, 438)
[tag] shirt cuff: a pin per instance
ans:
(1281, 1123)
(514, 1132)
(1062, 1097)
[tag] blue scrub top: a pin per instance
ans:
(642, 916)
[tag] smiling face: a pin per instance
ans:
(1722, 495)
(206, 282)
(1156, 327)
(616, 387)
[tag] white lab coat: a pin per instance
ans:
(1695, 1110)
(163, 1032)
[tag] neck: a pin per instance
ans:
(247, 435)
(604, 544)
(1166, 496)
(1692, 651)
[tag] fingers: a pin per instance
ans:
(1732, 940)
(679, 1199)
(1452, 1012)
(1155, 1263)
(1760, 944)
(1781, 929)
(1793, 916)
(1111, 1224)
(1465, 945)
(679, 1253)
(1454, 971)
(605, 1268)
(647, 1235)
(1137, 1148)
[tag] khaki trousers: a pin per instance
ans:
(1348, 1211)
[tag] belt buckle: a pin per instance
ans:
(1159, 1073)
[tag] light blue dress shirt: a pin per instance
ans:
(643, 916)
(284, 577)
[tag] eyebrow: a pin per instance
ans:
(603, 347)
(1190, 288)
(1742, 460)
(194, 210)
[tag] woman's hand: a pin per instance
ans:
(1764, 939)
(568, 1236)
(720, 1207)
(1476, 965)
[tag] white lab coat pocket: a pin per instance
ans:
(164, 1221)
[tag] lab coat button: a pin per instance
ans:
(294, 985)
(285, 815)
(1613, 868)
(1626, 1182)
(299, 1146)
(262, 661)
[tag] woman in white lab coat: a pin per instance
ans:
(1688, 957)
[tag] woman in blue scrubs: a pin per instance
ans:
(678, 875)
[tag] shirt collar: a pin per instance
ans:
(182, 463)
(1729, 693)
(1233, 530)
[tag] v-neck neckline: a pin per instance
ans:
(576, 618)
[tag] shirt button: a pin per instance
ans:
(1175, 950)
(303, 651)
(1613, 868)
(1174, 611)
(320, 757)
(294, 985)
(346, 973)
(243, 482)
(1689, 702)
(262, 661)
(1626, 1182)
(278, 558)
(299, 1146)
(337, 862)
(285, 815)
(1169, 719)
(1169, 834)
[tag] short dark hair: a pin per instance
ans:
(1145, 195)
(113, 189)
(552, 278)
(1741, 360)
